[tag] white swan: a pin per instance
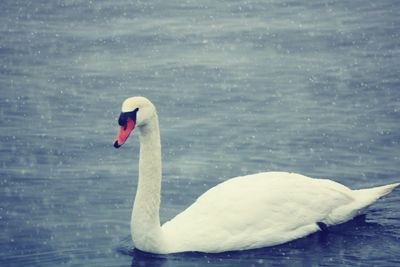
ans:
(245, 212)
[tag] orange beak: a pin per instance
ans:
(124, 133)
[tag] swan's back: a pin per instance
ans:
(258, 210)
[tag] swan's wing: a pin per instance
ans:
(255, 211)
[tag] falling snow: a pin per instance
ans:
(240, 86)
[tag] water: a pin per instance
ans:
(241, 87)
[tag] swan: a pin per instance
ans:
(245, 212)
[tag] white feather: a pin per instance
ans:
(246, 212)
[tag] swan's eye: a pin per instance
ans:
(123, 117)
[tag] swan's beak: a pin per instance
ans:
(124, 133)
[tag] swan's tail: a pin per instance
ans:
(370, 195)
(362, 199)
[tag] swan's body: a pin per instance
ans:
(245, 212)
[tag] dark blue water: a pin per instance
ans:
(241, 87)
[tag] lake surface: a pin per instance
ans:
(240, 86)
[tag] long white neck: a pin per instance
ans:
(145, 221)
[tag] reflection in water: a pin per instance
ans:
(328, 248)
(140, 258)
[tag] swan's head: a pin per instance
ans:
(136, 112)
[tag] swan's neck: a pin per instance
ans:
(145, 221)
